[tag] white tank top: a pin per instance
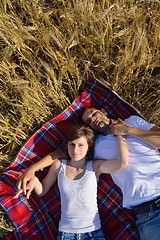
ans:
(79, 210)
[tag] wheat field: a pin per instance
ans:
(49, 48)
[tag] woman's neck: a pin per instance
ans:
(75, 169)
(80, 164)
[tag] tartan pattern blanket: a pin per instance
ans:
(37, 218)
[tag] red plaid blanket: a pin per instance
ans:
(37, 218)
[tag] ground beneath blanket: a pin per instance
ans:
(6, 225)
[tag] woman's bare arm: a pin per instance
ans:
(27, 179)
(114, 165)
(41, 188)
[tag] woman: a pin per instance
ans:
(77, 181)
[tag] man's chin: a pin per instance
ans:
(103, 129)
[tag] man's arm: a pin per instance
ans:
(27, 180)
(114, 165)
(152, 137)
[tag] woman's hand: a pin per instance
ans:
(118, 127)
(26, 183)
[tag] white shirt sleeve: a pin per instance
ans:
(138, 122)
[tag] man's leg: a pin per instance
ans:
(149, 225)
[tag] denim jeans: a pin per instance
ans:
(97, 235)
(149, 225)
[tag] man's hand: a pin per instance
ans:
(118, 127)
(26, 183)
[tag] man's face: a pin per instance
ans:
(96, 119)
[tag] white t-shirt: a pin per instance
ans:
(79, 209)
(140, 181)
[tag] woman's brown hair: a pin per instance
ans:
(77, 131)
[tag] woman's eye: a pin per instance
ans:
(71, 144)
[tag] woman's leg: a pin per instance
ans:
(96, 235)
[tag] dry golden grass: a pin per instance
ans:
(48, 49)
(6, 226)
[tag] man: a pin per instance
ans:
(139, 182)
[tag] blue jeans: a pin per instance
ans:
(97, 235)
(149, 225)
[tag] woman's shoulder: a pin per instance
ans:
(56, 164)
(96, 164)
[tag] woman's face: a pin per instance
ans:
(77, 149)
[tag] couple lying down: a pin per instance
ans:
(128, 150)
